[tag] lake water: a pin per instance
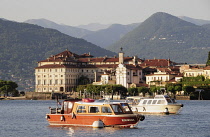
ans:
(26, 118)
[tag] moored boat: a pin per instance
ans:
(160, 104)
(87, 112)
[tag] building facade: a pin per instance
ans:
(65, 71)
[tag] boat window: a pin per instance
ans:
(168, 100)
(93, 109)
(149, 102)
(145, 102)
(136, 101)
(173, 100)
(81, 109)
(161, 102)
(70, 105)
(65, 105)
(106, 110)
(154, 101)
(126, 107)
(117, 108)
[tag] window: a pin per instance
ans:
(126, 107)
(81, 109)
(93, 109)
(56, 81)
(106, 110)
(149, 102)
(39, 82)
(168, 100)
(70, 105)
(117, 108)
(145, 102)
(161, 102)
(154, 101)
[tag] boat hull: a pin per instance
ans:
(158, 109)
(88, 120)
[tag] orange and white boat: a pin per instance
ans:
(87, 112)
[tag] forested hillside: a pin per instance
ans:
(22, 45)
(165, 36)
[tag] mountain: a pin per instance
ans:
(94, 26)
(207, 26)
(109, 36)
(165, 36)
(199, 22)
(69, 30)
(23, 44)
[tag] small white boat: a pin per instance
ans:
(160, 104)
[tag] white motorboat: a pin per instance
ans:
(160, 104)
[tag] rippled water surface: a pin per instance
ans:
(26, 118)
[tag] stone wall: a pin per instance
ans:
(182, 97)
(38, 95)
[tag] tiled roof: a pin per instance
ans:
(156, 62)
(134, 67)
(207, 68)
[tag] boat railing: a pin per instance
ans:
(55, 110)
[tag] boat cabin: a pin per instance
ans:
(157, 100)
(92, 107)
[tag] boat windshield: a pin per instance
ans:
(168, 100)
(126, 108)
(116, 108)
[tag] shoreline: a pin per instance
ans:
(13, 98)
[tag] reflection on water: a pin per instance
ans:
(88, 131)
(24, 118)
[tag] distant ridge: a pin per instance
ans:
(165, 36)
(69, 30)
(94, 26)
(199, 22)
(109, 36)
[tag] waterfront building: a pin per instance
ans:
(195, 70)
(66, 70)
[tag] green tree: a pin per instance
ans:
(7, 87)
(188, 89)
(208, 60)
(132, 91)
(142, 90)
(153, 89)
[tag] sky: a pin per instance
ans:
(83, 12)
